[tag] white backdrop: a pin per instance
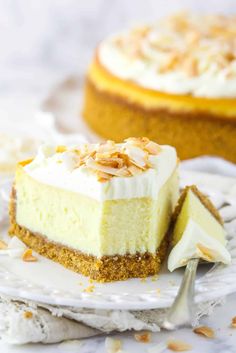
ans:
(41, 40)
(64, 32)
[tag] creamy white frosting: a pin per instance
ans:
(58, 169)
(209, 84)
(143, 63)
(187, 248)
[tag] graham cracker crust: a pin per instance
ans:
(104, 269)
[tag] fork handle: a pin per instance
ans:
(182, 310)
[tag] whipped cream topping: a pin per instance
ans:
(196, 243)
(64, 169)
(183, 54)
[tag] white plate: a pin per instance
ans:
(48, 282)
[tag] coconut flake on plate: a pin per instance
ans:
(14, 248)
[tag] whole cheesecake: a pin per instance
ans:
(174, 82)
(102, 210)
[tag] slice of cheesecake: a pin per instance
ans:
(102, 210)
(198, 231)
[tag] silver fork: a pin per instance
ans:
(182, 310)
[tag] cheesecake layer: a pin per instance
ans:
(104, 269)
(197, 232)
(194, 209)
(111, 227)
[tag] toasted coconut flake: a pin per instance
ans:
(137, 141)
(92, 164)
(144, 337)
(28, 256)
(204, 331)
(104, 155)
(87, 150)
(61, 149)
(28, 314)
(103, 177)
(125, 158)
(78, 162)
(123, 172)
(193, 45)
(3, 245)
(137, 156)
(112, 345)
(206, 253)
(171, 61)
(111, 162)
(134, 170)
(108, 146)
(190, 66)
(233, 322)
(108, 159)
(102, 180)
(178, 346)
(152, 148)
(139, 164)
(89, 289)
